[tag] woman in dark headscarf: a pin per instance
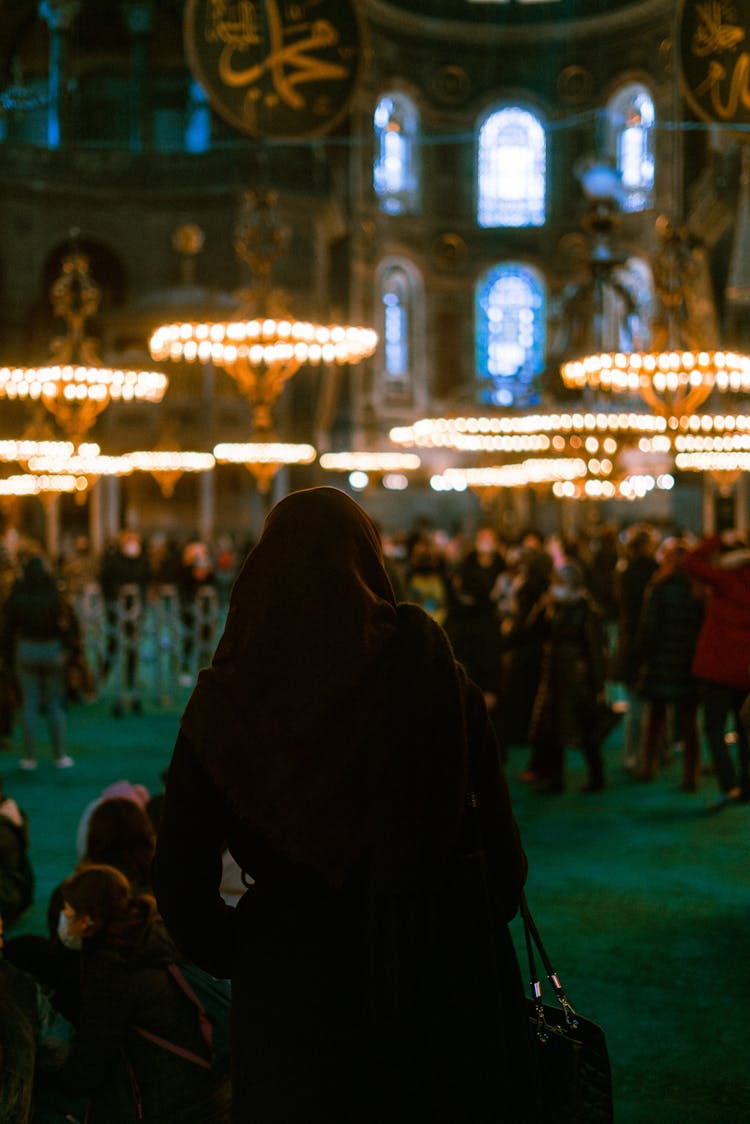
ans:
(337, 748)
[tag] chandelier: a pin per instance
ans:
(31, 484)
(74, 385)
(522, 475)
(679, 370)
(555, 433)
(264, 458)
(87, 461)
(167, 466)
(263, 346)
(392, 468)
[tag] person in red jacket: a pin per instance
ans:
(722, 657)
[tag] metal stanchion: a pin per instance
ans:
(205, 625)
(128, 624)
(92, 619)
(167, 643)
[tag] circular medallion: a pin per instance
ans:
(276, 68)
(451, 84)
(574, 85)
(713, 53)
(449, 251)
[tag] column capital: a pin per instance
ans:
(59, 14)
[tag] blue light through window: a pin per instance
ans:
(396, 333)
(630, 116)
(511, 169)
(510, 333)
(395, 171)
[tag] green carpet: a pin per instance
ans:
(641, 897)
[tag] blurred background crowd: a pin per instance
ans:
(567, 638)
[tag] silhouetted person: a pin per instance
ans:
(331, 742)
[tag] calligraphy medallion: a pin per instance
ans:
(277, 68)
(713, 48)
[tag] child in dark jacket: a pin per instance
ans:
(126, 984)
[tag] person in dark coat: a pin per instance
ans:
(33, 1038)
(671, 621)
(119, 834)
(632, 576)
(572, 681)
(523, 635)
(16, 873)
(125, 984)
(473, 624)
(336, 744)
(39, 634)
(124, 577)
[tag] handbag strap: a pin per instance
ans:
(472, 803)
(532, 938)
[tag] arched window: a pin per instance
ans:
(396, 168)
(397, 326)
(630, 125)
(399, 314)
(511, 169)
(396, 297)
(510, 330)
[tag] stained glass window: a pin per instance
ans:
(396, 171)
(630, 116)
(398, 287)
(510, 312)
(511, 169)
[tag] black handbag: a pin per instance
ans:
(574, 1079)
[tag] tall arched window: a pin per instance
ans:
(630, 125)
(399, 312)
(396, 333)
(396, 299)
(511, 169)
(510, 331)
(396, 168)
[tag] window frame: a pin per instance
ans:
(520, 384)
(536, 119)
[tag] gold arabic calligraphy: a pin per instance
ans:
(711, 37)
(289, 64)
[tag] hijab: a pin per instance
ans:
(288, 719)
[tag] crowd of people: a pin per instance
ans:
(54, 647)
(564, 635)
(337, 769)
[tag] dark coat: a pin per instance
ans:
(333, 744)
(630, 586)
(305, 1047)
(121, 990)
(16, 875)
(671, 621)
(33, 1038)
(572, 675)
(19, 1030)
(36, 610)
